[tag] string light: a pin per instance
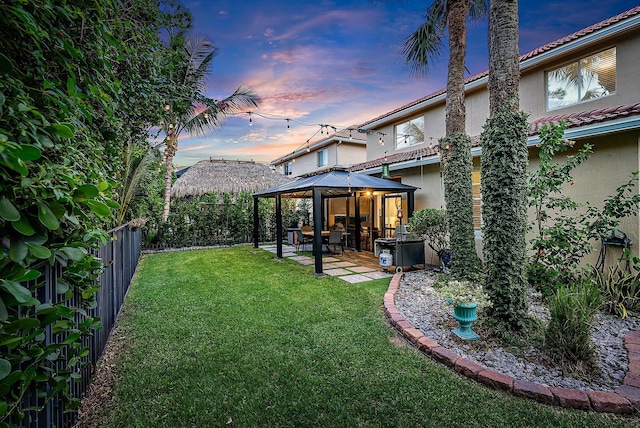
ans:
(288, 126)
(250, 121)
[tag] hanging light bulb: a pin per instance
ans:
(308, 149)
(288, 126)
(206, 115)
(250, 121)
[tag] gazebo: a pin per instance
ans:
(329, 184)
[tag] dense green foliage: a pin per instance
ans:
(218, 220)
(504, 195)
(457, 165)
(235, 336)
(571, 309)
(78, 86)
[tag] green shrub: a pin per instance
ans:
(620, 289)
(541, 278)
(431, 225)
(571, 310)
(564, 228)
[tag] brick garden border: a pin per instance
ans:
(624, 400)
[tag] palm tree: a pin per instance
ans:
(504, 163)
(188, 109)
(420, 49)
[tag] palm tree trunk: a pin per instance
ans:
(455, 111)
(170, 152)
(457, 160)
(504, 53)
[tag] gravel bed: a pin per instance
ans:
(421, 305)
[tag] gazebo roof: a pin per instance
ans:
(334, 183)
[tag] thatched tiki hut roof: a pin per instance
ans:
(226, 176)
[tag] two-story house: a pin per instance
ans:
(588, 78)
(340, 149)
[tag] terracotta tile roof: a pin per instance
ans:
(585, 31)
(572, 120)
(538, 51)
(397, 158)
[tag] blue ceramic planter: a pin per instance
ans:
(465, 314)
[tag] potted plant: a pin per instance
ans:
(465, 297)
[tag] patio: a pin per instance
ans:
(351, 266)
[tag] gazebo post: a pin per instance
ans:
(410, 203)
(278, 226)
(317, 230)
(358, 222)
(256, 222)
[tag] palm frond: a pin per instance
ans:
(423, 47)
(478, 9)
(214, 113)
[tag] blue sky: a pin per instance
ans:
(337, 63)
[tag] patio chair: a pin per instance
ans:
(364, 238)
(335, 238)
(302, 240)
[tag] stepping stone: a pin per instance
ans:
(377, 275)
(337, 272)
(352, 279)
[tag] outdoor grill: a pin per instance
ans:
(405, 249)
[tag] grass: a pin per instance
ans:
(234, 337)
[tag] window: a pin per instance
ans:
(409, 133)
(288, 168)
(477, 198)
(323, 158)
(585, 79)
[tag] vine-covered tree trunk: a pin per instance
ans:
(457, 167)
(455, 147)
(505, 157)
(504, 193)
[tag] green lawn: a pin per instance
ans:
(234, 337)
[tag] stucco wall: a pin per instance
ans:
(350, 154)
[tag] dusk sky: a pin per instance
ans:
(337, 63)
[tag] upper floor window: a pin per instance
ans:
(409, 133)
(288, 168)
(323, 157)
(585, 79)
